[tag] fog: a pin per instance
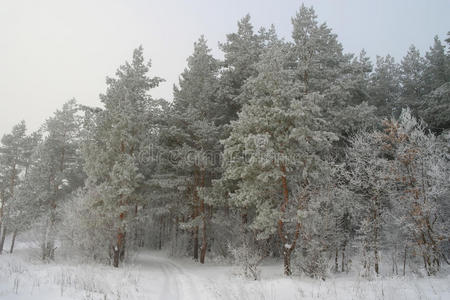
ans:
(52, 51)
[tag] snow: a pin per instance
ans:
(152, 275)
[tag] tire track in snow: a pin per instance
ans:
(178, 283)
(189, 284)
(171, 285)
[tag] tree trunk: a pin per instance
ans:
(366, 265)
(164, 234)
(204, 242)
(376, 260)
(203, 212)
(44, 241)
(160, 234)
(281, 233)
(404, 261)
(176, 233)
(394, 261)
(336, 264)
(288, 246)
(118, 249)
(11, 190)
(123, 247)
(1, 218)
(115, 257)
(136, 228)
(195, 213)
(195, 243)
(2, 240)
(375, 242)
(13, 241)
(51, 236)
(287, 262)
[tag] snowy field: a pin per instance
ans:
(152, 275)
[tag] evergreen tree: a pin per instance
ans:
(12, 158)
(321, 66)
(411, 79)
(277, 126)
(437, 70)
(20, 219)
(384, 86)
(242, 50)
(54, 173)
(195, 131)
(113, 144)
(435, 109)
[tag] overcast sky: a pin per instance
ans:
(55, 50)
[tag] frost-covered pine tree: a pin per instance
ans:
(194, 132)
(437, 66)
(242, 51)
(412, 67)
(61, 150)
(436, 78)
(112, 146)
(20, 207)
(53, 172)
(321, 66)
(13, 151)
(384, 86)
(274, 144)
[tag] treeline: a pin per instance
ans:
(289, 149)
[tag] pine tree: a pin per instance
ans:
(195, 132)
(242, 50)
(436, 77)
(321, 66)
(275, 128)
(384, 86)
(437, 70)
(12, 159)
(54, 171)
(112, 147)
(411, 79)
(19, 218)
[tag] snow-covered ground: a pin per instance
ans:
(152, 275)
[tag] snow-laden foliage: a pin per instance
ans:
(284, 149)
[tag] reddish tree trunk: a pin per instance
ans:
(118, 250)
(195, 243)
(195, 213)
(283, 236)
(13, 241)
(203, 212)
(288, 245)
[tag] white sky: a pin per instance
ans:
(55, 50)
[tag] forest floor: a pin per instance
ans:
(152, 275)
